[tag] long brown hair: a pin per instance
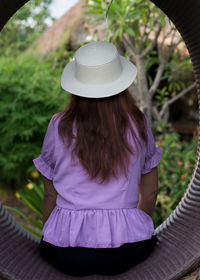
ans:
(101, 143)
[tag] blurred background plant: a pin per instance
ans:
(175, 169)
(150, 40)
(24, 27)
(31, 196)
(30, 94)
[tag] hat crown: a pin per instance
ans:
(96, 53)
(97, 63)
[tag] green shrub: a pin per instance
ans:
(30, 93)
(31, 196)
(174, 171)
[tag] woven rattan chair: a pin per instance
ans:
(178, 249)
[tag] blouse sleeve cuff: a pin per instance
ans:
(153, 161)
(43, 167)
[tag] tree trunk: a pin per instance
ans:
(133, 89)
(145, 99)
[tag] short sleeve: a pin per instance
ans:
(45, 162)
(153, 153)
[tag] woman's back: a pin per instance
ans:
(89, 213)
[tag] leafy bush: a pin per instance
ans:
(31, 196)
(24, 27)
(30, 93)
(175, 170)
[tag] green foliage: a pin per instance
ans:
(177, 75)
(124, 16)
(174, 171)
(24, 27)
(31, 196)
(137, 18)
(176, 71)
(162, 97)
(61, 56)
(30, 93)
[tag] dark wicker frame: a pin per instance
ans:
(178, 249)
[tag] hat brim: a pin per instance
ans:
(71, 84)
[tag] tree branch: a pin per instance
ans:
(175, 45)
(183, 92)
(172, 37)
(129, 46)
(153, 42)
(143, 37)
(165, 37)
(161, 67)
(157, 79)
(156, 114)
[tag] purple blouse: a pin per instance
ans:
(89, 214)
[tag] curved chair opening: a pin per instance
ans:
(178, 249)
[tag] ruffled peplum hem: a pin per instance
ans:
(97, 228)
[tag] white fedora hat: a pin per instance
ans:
(97, 70)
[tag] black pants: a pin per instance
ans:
(82, 261)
